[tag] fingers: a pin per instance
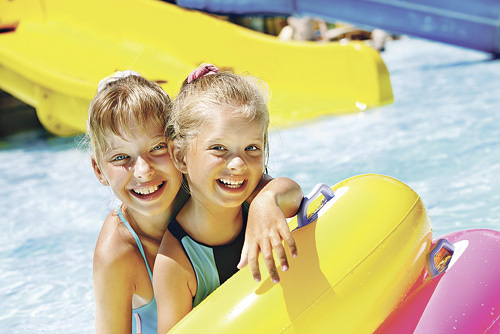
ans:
(267, 246)
(253, 263)
(267, 255)
(267, 249)
(280, 254)
(244, 256)
(286, 235)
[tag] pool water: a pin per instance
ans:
(441, 136)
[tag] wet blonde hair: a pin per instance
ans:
(122, 101)
(224, 91)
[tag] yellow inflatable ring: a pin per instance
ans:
(357, 260)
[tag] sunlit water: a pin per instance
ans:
(441, 136)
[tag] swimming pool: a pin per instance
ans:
(441, 137)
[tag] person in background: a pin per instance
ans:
(306, 28)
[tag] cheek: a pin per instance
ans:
(116, 172)
(170, 166)
(163, 162)
(204, 161)
(204, 169)
(115, 176)
(258, 164)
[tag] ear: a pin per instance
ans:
(177, 155)
(98, 173)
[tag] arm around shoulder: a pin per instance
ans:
(273, 201)
(285, 192)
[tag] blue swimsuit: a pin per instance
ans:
(144, 318)
(213, 265)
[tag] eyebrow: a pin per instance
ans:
(155, 139)
(111, 150)
(259, 138)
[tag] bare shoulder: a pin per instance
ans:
(115, 282)
(173, 261)
(174, 283)
(171, 248)
(115, 251)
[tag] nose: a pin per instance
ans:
(142, 168)
(236, 164)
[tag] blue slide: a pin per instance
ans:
(473, 24)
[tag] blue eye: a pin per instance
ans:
(120, 157)
(252, 148)
(159, 147)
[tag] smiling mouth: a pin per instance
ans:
(231, 184)
(148, 190)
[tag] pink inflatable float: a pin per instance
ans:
(464, 298)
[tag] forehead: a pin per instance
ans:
(222, 123)
(133, 134)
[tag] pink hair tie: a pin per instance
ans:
(201, 71)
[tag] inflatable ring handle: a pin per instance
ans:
(319, 189)
(442, 251)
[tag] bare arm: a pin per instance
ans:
(273, 201)
(112, 290)
(171, 284)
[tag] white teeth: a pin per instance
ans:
(146, 191)
(231, 183)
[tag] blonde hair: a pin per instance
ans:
(122, 101)
(223, 91)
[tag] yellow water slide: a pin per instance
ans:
(54, 52)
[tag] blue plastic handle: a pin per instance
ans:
(319, 189)
(441, 244)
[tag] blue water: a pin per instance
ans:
(441, 136)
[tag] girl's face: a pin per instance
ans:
(224, 163)
(140, 172)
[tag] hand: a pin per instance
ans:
(266, 229)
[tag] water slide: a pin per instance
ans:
(473, 24)
(54, 52)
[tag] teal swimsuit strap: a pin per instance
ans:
(137, 240)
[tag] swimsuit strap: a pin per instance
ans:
(177, 231)
(137, 240)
